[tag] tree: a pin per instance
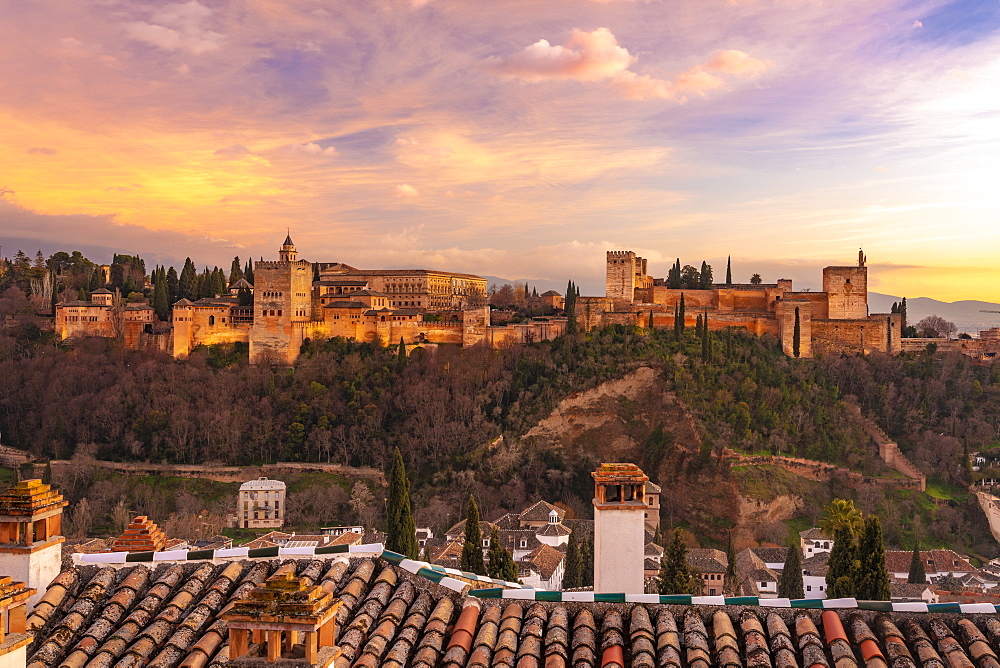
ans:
(843, 565)
(790, 584)
(902, 313)
(235, 272)
(472, 549)
(690, 277)
(185, 286)
(504, 297)
(917, 574)
(729, 270)
(494, 567)
(573, 575)
(161, 295)
(797, 334)
(120, 517)
(705, 279)
(674, 276)
(363, 504)
(401, 356)
(756, 279)
(570, 307)
(680, 318)
(873, 578)
(248, 272)
(676, 575)
(729, 583)
(587, 558)
(841, 513)
(934, 326)
(401, 532)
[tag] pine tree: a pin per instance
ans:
(843, 565)
(235, 272)
(573, 575)
(676, 575)
(790, 584)
(472, 549)
(729, 270)
(917, 574)
(796, 334)
(401, 532)
(729, 583)
(186, 284)
(873, 578)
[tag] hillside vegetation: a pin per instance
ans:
(446, 409)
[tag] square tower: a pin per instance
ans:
(282, 305)
(619, 528)
(847, 291)
(30, 534)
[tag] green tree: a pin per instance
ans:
(495, 556)
(873, 578)
(587, 558)
(676, 575)
(690, 277)
(790, 584)
(573, 575)
(902, 313)
(401, 355)
(161, 295)
(841, 513)
(680, 317)
(917, 574)
(706, 278)
(401, 532)
(729, 581)
(472, 549)
(729, 270)
(248, 272)
(235, 272)
(797, 334)
(570, 307)
(843, 565)
(186, 283)
(674, 276)
(756, 279)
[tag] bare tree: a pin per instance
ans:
(81, 519)
(934, 326)
(120, 516)
(363, 504)
(117, 315)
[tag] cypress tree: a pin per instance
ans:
(705, 279)
(790, 584)
(729, 584)
(873, 578)
(509, 571)
(676, 575)
(235, 272)
(843, 565)
(185, 287)
(680, 316)
(401, 355)
(917, 574)
(173, 284)
(677, 324)
(248, 272)
(472, 550)
(650, 320)
(706, 342)
(570, 307)
(573, 575)
(587, 558)
(494, 567)
(796, 334)
(161, 295)
(902, 313)
(697, 326)
(401, 532)
(729, 270)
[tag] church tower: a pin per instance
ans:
(619, 528)
(287, 252)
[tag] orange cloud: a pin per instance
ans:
(597, 56)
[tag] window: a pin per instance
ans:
(523, 543)
(809, 587)
(211, 319)
(711, 592)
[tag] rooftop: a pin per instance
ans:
(261, 484)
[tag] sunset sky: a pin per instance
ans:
(512, 138)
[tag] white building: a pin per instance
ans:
(261, 504)
(813, 541)
(619, 528)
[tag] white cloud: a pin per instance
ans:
(178, 27)
(312, 148)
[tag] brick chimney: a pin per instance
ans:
(30, 535)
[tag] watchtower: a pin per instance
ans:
(847, 290)
(30, 534)
(619, 528)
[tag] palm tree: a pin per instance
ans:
(841, 514)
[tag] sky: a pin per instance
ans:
(512, 138)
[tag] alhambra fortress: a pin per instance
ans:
(296, 300)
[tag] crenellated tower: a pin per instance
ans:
(282, 305)
(626, 271)
(847, 290)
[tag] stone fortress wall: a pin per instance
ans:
(833, 320)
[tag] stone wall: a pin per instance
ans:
(219, 473)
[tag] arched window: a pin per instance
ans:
(211, 319)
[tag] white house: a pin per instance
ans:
(261, 504)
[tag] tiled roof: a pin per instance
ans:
(539, 512)
(771, 555)
(346, 304)
(262, 484)
(30, 498)
(485, 528)
(814, 534)
(708, 560)
(508, 521)
(652, 549)
(545, 559)
(552, 530)
(935, 561)
(817, 565)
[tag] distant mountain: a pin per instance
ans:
(967, 314)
